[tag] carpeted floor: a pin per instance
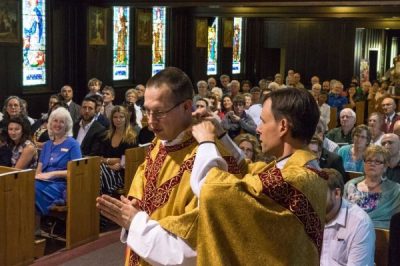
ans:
(111, 255)
(107, 250)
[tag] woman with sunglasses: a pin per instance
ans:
(378, 196)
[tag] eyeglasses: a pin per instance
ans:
(238, 104)
(374, 162)
(161, 114)
(360, 136)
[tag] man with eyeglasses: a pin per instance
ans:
(159, 218)
(342, 134)
(392, 143)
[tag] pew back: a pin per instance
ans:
(17, 216)
(83, 187)
(134, 157)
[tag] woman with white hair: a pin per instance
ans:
(50, 183)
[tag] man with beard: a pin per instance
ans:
(88, 131)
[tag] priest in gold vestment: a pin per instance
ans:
(274, 215)
(159, 218)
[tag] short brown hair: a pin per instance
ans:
(335, 179)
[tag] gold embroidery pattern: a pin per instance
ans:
(275, 187)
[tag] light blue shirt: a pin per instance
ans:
(349, 239)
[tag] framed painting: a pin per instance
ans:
(201, 33)
(97, 19)
(144, 27)
(9, 18)
(228, 32)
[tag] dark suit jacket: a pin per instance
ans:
(332, 160)
(389, 129)
(91, 142)
(103, 121)
(75, 111)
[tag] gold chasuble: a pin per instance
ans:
(162, 187)
(270, 217)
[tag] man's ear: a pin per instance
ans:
(284, 126)
(188, 105)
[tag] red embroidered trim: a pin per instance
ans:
(275, 187)
(155, 197)
(233, 167)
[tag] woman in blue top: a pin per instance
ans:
(50, 183)
(352, 154)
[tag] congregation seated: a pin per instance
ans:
(352, 154)
(237, 121)
(375, 194)
(389, 110)
(335, 99)
(342, 134)
(99, 117)
(226, 106)
(24, 152)
(39, 129)
(375, 123)
(119, 137)
(326, 159)
(88, 132)
(327, 144)
(74, 109)
(12, 107)
(108, 98)
(51, 172)
(391, 142)
(131, 98)
(349, 235)
(250, 146)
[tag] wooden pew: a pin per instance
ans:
(381, 247)
(133, 158)
(83, 187)
(360, 113)
(333, 118)
(17, 216)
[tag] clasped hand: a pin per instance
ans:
(121, 211)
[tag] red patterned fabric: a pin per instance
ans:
(154, 197)
(233, 167)
(275, 187)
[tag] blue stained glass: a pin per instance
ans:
(34, 42)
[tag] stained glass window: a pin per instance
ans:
(34, 42)
(158, 48)
(237, 45)
(212, 47)
(121, 43)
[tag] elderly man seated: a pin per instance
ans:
(342, 134)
